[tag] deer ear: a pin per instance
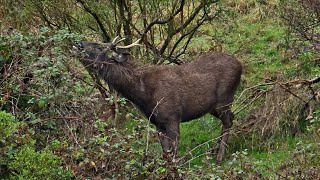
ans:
(119, 57)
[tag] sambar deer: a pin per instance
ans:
(169, 95)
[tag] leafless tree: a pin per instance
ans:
(303, 19)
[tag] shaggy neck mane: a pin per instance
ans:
(119, 76)
(125, 79)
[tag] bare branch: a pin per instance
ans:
(203, 19)
(123, 7)
(157, 21)
(183, 26)
(190, 33)
(98, 20)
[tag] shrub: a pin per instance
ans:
(29, 164)
(8, 126)
(19, 159)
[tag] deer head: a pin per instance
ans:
(102, 52)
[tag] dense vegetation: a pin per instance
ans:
(59, 121)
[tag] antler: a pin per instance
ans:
(114, 41)
(130, 45)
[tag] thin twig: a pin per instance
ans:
(73, 135)
(148, 126)
(289, 91)
(198, 146)
(256, 98)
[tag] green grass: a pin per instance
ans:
(267, 155)
(270, 162)
(198, 137)
(196, 132)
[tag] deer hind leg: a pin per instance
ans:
(169, 138)
(226, 117)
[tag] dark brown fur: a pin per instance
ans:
(169, 95)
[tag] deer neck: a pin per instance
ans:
(128, 82)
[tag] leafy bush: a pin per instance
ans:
(29, 164)
(40, 75)
(8, 126)
(19, 159)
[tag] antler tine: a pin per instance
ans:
(130, 45)
(120, 40)
(114, 40)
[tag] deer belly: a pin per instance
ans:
(193, 113)
(197, 106)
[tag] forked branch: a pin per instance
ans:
(97, 19)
